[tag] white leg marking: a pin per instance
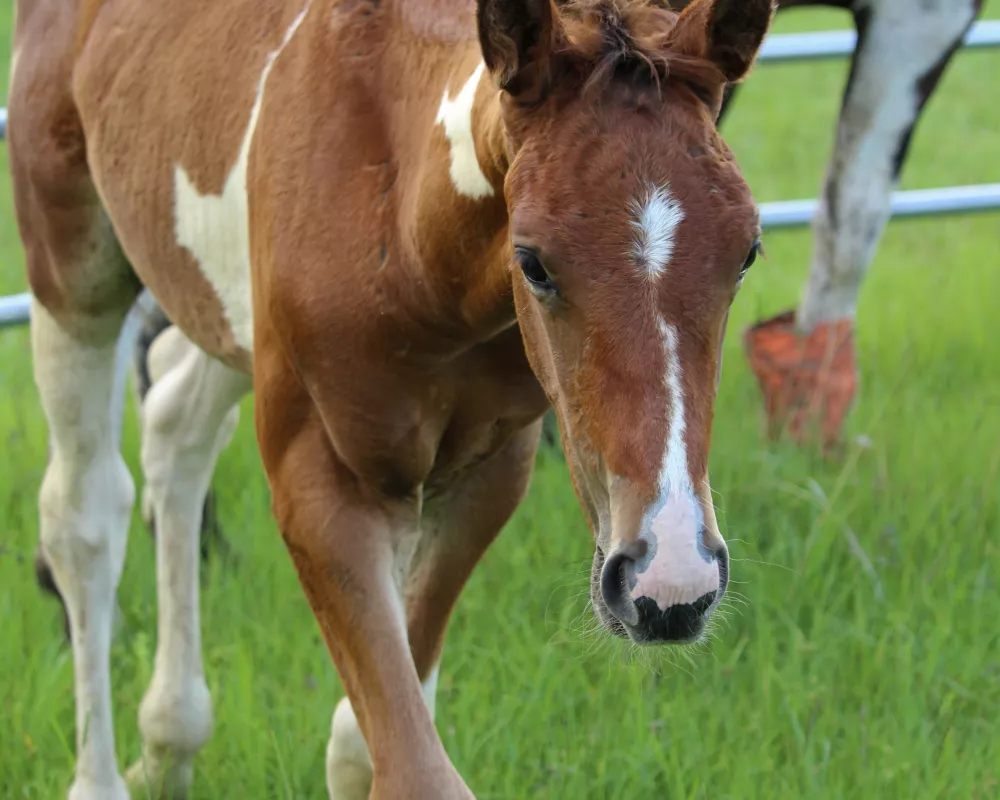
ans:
(189, 417)
(902, 44)
(85, 503)
(456, 117)
(348, 763)
(657, 217)
(216, 228)
(430, 689)
(166, 351)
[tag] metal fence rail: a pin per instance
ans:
(14, 309)
(787, 47)
(777, 49)
(912, 203)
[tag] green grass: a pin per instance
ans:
(860, 656)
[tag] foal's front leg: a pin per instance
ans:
(456, 529)
(343, 536)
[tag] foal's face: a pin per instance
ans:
(632, 230)
(631, 236)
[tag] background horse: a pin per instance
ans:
(804, 357)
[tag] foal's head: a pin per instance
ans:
(632, 230)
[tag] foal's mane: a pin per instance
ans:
(609, 39)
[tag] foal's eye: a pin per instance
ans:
(751, 257)
(533, 271)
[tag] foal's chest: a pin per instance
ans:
(413, 426)
(495, 399)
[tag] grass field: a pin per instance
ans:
(859, 658)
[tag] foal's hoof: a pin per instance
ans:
(807, 379)
(149, 780)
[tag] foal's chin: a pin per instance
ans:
(678, 625)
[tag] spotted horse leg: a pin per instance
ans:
(804, 359)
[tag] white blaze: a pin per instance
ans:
(216, 228)
(676, 570)
(456, 117)
(674, 474)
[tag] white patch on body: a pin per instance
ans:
(657, 218)
(456, 117)
(901, 45)
(215, 229)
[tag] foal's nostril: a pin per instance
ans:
(703, 603)
(722, 557)
(615, 590)
(642, 618)
(677, 623)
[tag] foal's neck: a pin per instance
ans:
(461, 215)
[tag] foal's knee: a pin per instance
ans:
(84, 509)
(348, 762)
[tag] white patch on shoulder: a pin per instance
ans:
(656, 220)
(215, 229)
(456, 117)
(674, 474)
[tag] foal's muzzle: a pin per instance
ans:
(643, 619)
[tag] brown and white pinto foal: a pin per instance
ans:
(413, 238)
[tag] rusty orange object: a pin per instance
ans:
(808, 379)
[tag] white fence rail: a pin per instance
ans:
(785, 47)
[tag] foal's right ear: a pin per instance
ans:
(516, 37)
(727, 32)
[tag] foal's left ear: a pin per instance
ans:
(516, 37)
(727, 32)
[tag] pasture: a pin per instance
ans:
(858, 655)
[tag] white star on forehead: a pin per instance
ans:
(657, 217)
